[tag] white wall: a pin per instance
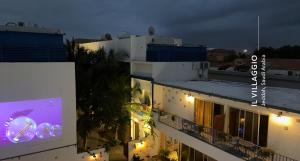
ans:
(174, 71)
(158, 96)
(138, 48)
(141, 69)
(25, 81)
(135, 46)
(165, 71)
(174, 101)
(285, 139)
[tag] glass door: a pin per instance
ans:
(249, 126)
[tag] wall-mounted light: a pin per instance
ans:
(280, 119)
(93, 156)
(139, 145)
(135, 120)
(189, 98)
(242, 120)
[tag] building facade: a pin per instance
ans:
(38, 98)
(183, 115)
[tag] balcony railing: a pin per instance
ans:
(234, 145)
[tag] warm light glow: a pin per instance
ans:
(139, 145)
(242, 120)
(282, 120)
(147, 128)
(94, 157)
(173, 156)
(136, 120)
(189, 98)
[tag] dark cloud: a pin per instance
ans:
(216, 23)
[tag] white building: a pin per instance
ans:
(198, 119)
(29, 82)
(38, 100)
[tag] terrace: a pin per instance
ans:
(234, 145)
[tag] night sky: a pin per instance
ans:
(217, 24)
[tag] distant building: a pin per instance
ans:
(20, 43)
(219, 55)
(285, 67)
(134, 46)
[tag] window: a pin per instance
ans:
(249, 126)
(190, 154)
(209, 114)
(136, 131)
(234, 121)
(263, 130)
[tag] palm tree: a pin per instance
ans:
(71, 48)
(103, 90)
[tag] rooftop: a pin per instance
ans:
(280, 98)
(30, 29)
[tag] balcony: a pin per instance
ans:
(234, 145)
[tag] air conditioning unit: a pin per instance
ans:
(202, 69)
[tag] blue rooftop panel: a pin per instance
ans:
(172, 53)
(31, 47)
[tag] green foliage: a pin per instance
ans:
(137, 106)
(163, 154)
(102, 91)
(230, 58)
(265, 152)
(111, 143)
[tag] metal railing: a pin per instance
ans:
(234, 145)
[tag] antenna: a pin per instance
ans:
(151, 31)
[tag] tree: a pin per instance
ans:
(108, 36)
(71, 47)
(142, 103)
(285, 52)
(102, 93)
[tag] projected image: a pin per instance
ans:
(25, 121)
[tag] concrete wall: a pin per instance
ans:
(284, 137)
(164, 71)
(141, 69)
(138, 48)
(174, 71)
(26, 81)
(174, 101)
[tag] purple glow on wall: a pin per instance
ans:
(29, 120)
